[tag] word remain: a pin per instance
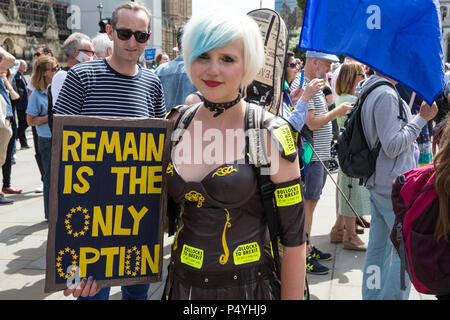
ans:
(83, 146)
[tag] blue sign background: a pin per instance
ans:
(102, 193)
(150, 54)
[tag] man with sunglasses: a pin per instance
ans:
(115, 86)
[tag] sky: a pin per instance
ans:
(244, 5)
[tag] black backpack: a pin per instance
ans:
(356, 159)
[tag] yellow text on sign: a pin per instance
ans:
(146, 179)
(288, 196)
(110, 224)
(136, 147)
(89, 255)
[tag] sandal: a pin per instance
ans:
(349, 245)
(336, 236)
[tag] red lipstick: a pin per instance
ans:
(211, 83)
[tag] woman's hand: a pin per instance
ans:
(296, 95)
(86, 287)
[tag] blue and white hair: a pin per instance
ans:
(213, 29)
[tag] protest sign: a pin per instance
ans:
(108, 198)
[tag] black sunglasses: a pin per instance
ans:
(293, 65)
(88, 51)
(125, 34)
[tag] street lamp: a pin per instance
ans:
(100, 7)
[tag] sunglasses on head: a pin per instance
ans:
(125, 34)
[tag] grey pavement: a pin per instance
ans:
(23, 238)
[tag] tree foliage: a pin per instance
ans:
(302, 5)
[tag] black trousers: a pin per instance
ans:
(22, 126)
(6, 168)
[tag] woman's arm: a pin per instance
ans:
(293, 272)
(293, 268)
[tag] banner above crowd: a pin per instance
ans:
(400, 39)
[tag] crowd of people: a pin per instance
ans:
(218, 56)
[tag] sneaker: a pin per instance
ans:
(40, 189)
(4, 200)
(314, 267)
(319, 255)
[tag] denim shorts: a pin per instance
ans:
(315, 178)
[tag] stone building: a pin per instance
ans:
(445, 14)
(26, 25)
(290, 13)
(175, 13)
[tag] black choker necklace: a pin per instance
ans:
(219, 108)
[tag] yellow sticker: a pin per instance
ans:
(288, 196)
(246, 253)
(192, 256)
(284, 135)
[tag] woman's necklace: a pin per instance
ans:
(219, 108)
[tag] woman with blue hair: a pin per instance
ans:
(222, 248)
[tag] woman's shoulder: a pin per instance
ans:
(281, 132)
(345, 98)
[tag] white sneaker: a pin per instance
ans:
(40, 189)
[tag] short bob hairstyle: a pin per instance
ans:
(213, 29)
(40, 66)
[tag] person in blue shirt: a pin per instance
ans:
(175, 81)
(44, 69)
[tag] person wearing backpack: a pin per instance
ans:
(387, 119)
(421, 201)
(221, 249)
(442, 183)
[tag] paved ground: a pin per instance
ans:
(23, 237)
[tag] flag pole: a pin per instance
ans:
(413, 97)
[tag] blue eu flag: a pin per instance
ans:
(398, 38)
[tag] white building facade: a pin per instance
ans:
(86, 17)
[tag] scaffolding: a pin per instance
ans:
(34, 14)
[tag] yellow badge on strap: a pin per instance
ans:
(284, 135)
(288, 196)
(192, 256)
(246, 253)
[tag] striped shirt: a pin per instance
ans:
(93, 88)
(322, 136)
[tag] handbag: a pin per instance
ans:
(5, 131)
